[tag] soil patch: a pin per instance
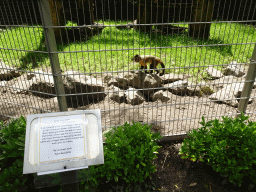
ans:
(176, 116)
(175, 174)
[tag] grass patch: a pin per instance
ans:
(112, 49)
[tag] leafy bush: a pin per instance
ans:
(228, 146)
(12, 143)
(12, 178)
(128, 153)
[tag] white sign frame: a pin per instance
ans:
(63, 141)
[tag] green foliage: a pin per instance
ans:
(70, 23)
(103, 49)
(12, 143)
(12, 178)
(228, 146)
(128, 153)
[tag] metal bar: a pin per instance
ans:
(45, 73)
(52, 47)
(24, 106)
(248, 85)
(212, 45)
(87, 26)
(69, 178)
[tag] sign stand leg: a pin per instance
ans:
(71, 178)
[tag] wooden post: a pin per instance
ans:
(85, 12)
(248, 85)
(202, 12)
(52, 47)
(144, 17)
(57, 18)
(45, 11)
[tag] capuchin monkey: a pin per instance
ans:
(154, 61)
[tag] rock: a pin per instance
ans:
(214, 73)
(178, 87)
(30, 76)
(2, 86)
(7, 73)
(21, 85)
(170, 78)
(193, 89)
(177, 147)
(225, 96)
(164, 96)
(87, 83)
(3, 83)
(219, 84)
(199, 89)
(236, 88)
(207, 90)
(146, 82)
(134, 96)
(122, 80)
(229, 94)
(43, 85)
(234, 69)
(36, 73)
(75, 83)
(107, 77)
(86, 89)
(114, 82)
(117, 94)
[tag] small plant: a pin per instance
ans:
(228, 146)
(12, 143)
(207, 90)
(70, 23)
(128, 154)
(12, 177)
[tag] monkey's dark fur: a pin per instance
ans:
(154, 61)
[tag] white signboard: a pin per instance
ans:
(63, 141)
(62, 137)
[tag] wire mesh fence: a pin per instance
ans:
(84, 54)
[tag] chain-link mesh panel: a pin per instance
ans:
(206, 48)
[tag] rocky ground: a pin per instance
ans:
(170, 110)
(171, 103)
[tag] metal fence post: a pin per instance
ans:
(248, 85)
(52, 47)
(69, 176)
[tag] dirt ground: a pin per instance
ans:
(178, 175)
(173, 174)
(178, 115)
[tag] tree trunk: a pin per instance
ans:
(57, 15)
(85, 12)
(144, 16)
(202, 12)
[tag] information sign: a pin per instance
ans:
(63, 141)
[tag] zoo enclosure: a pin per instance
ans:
(95, 40)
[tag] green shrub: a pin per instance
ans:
(12, 177)
(228, 146)
(12, 143)
(128, 153)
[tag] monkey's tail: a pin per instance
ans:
(162, 64)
